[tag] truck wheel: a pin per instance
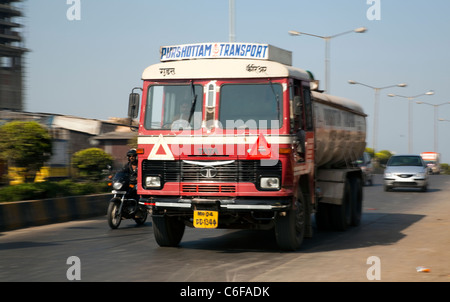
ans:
(341, 215)
(168, 230)
(356, 200)
(323, 216)
(290, 229)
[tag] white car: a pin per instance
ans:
(406, 171)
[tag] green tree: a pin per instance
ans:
(370, 151)
(90, 162)
(445, 169)
(25, 145)
(383, 156)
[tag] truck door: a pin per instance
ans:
(301, 116)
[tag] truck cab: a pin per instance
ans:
(227, 140)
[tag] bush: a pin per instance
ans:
(91, 162)
(445, 169)
(25, 145)
(47, 189)
(383, 156)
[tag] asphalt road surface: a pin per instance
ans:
(404, 236)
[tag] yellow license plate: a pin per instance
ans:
(206, 219)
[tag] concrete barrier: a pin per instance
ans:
(22, 214)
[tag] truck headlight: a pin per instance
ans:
(153, 182)
(269, 183)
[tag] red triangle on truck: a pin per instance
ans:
(161, 150)
(260, 149)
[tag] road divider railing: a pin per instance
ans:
(23, 214)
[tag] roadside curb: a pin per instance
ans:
(23, 214)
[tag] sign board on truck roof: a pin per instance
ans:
(226, 50)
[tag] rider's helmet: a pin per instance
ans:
(130, 153)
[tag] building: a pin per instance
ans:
(11, 56)
(71, 134)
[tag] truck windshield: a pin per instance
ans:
(252, 106)
(169, 107)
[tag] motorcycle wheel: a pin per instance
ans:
(114, 216)
(142, 218)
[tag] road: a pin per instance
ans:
(403, 230)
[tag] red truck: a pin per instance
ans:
(231, 135)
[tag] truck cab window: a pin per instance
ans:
(251, 106)
(297, 106)
(169, 104)
(308, 109)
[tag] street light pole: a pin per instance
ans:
(376, 105)
(436, 107)
(327, 49)
(232, 35)
(410, 99)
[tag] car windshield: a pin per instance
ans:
(252, 106)
(169, 106)
(405, 161)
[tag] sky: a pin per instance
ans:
(88, 66)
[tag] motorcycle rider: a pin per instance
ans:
(124, 205)
(131, 169)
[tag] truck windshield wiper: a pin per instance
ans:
(194, 101)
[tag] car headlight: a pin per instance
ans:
(117, 185)
(269, 183)
(387, 174)
(420, 174)
(153, 182)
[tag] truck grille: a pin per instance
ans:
(208, 189)
(221, 173)
(231, 171)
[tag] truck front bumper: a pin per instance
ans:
(221, 204)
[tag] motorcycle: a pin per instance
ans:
(125, 203)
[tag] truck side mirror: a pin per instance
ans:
(133, 105)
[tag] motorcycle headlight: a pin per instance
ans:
(153, 182)
(117, 186)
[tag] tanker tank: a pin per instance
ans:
(340, 130)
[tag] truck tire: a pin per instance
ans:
(290, 229)
(168, 230)
(341, 215)
(356, 201)
(323, 216)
